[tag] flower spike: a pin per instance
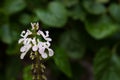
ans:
(34, 43)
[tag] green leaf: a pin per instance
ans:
(106, 65)
(27, 73)
(55, 15)
(101, 28)
(13, 6)
(94, 8)
(114, 11)
(74, 44)
(77, 13)
(5, 33)
(62, 61)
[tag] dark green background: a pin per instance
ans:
(85, 33)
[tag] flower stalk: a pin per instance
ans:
(38, 68)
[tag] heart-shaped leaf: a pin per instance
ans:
(101, 28)
(62, 61)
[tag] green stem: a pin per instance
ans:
(38, 68)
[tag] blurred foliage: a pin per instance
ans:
(27, 73)
(85, 33)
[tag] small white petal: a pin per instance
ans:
(44, 55)
(20, 40)
(47, 44)
(35, 48)
(29, 32)
(26, 48)
(38, 33)
(25, 35)
(22, 55)
(48, 39)
(23, 49)
(41, 50)
(27, 41)
(44, 45)
(47, 33)
(22, 33)
(51, 53)
(41, 45)
(41, 32)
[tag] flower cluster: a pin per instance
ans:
(34, 43)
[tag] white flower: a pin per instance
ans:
(46, 37)
(24, 36)
(24, 50)
(34, 44)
